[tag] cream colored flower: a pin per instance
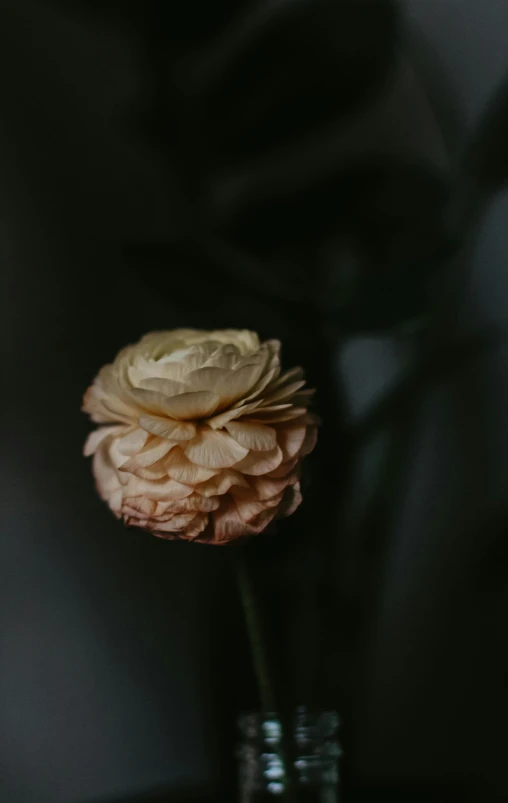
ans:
(201, 435)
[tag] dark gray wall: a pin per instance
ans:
(101, 694)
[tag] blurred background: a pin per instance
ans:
(213, 165)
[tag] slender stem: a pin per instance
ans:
(255, 633)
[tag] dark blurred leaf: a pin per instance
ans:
(438, 364)
(486, 159)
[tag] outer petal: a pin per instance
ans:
(257, 463)
(213, 449)
(96, 437)
(180, 468)
(221, 483)
(252, 436)
(168, 427)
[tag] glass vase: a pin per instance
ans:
(301, 768)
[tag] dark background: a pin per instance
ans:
(123, 661)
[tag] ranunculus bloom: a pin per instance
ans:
(201, 435)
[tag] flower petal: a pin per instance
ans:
(213, 449)
(133, 442)
(168, 427)
(283, 393)
(290, 439)
(158, 489)
(252, 436)
(218, 421)
(249, 509)
(180, 468)
(309, 441)
(207, 379)
(291, 500)
(96, 437)
(227, 523)
(266, 416)
(167, 387)
(238, 383)
(284, 468)
(155, 449)
(196, 526)
(196, 404)
(220, 483)
(256, 463)
(155, 471)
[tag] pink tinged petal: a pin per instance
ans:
(257, 463)
(284, 468)
(155, 450)
(139, 507)
(168, 428)
(286, 392)
(174, 524)
(197, 404)
(166, 387)
(115, 502)
(196, 526)
(262, 521)
(195, 502)
(221, 483)
(162, 490)
(219, 421)
(96, 437)
(252, 436)
(213, 449)
(291, 500)
(180, 468)
(227, 523)
(133, 442)
(104, 471)
(309, 441)
(263, 488)
(249, 509)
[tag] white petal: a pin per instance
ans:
(168, 427)
(207, 379)
(165, 386)
(180, 468)
(218, 421)
(213, 449)
(192, 405)
(96, 437)
(155, 450)
(133, 442)
(252, 436)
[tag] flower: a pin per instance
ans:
(201, 436)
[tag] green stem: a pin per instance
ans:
(255, 633)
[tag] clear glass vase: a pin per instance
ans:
(303, 767)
